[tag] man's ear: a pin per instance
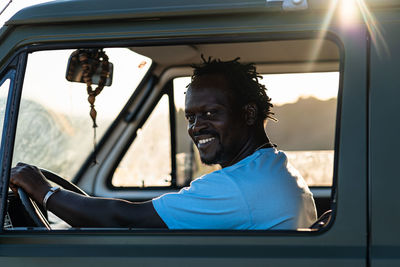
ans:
(250, 113)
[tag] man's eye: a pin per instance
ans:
(190, 118)
(209, 114)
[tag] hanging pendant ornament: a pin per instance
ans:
(90, 60)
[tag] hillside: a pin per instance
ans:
(311, 129)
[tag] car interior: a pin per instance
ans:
(140, 149)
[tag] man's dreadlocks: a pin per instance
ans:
(243, 81)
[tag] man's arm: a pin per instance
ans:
(82, 211)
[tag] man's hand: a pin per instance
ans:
(83, 211)
(31, 179)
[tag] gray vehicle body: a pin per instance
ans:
(364, 196)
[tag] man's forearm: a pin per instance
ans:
(82, 211)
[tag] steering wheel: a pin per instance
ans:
(32, 207)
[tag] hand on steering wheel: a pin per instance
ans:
(19, 179)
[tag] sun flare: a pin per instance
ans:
(348, 10)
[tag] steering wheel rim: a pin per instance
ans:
(33, 210)
(31, 206)
(55, 178)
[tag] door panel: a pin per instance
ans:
(384, 141)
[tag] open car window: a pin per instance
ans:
(145, 150)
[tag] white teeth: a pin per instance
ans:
(203, 141)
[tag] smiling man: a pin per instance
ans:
(226, 108)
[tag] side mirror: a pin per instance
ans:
(94, 59)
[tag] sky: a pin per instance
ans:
(14, 7)
(286, 88)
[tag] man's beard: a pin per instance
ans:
(219, 154)
(216, 159)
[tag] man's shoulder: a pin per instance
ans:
(259, 159)
(215, 176)
(216, 180)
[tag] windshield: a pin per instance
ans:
(54, 128)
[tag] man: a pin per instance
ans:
(226, 108)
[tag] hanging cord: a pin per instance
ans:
(90, 59)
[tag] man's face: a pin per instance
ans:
(216, 127)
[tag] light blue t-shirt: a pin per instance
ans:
(262, 191)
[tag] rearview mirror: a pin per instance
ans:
(75, 71)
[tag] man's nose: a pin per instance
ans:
(198, 124)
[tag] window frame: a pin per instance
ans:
(126, 115)
(15, 70)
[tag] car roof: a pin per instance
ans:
(87, 10)
(90, 10)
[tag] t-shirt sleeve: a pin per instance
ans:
(211, 202)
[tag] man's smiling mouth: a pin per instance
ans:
(205, 141)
